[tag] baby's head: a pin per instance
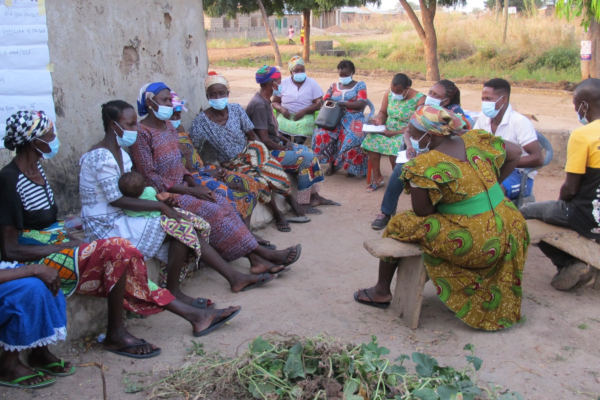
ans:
(132, 184)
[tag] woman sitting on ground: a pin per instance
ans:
(173, 236)
(224, 133)
(112, 268)
(156, 155)
(399, 103)
(26, 324)
(241, 190)
(297, 101)
(473, 238)
(341, 146)
(294, 158)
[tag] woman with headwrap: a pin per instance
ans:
(297, 100)
(294, 158)
(30, 233)
(156, 155)
(224, 133)
(474, 240)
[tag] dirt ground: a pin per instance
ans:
(553, 354)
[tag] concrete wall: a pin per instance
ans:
(107, 49)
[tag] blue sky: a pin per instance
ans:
(387, 4)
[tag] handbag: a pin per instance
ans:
(330, 115)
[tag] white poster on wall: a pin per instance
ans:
(25, 80)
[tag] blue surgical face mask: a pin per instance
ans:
(129, 137)
(300, 77)
(54, 146)
(219, 104)
(489, 108)
(583, 120)
(176, 123)
(164, 113)
(430, 101)
(415, 144)
(277, 92)
(346, 80)
(398, 97)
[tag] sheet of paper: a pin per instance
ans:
(373, 128)
(25, 78)
(401, 159)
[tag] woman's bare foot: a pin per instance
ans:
(203, 319)
(118, 340)
(259, 265)
(179, 295)
(12, 368)
(317, 200)
(374, 295)
(282, 224)
(42, 356)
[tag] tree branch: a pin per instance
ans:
(413, 18)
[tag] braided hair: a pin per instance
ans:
(452, 92)
(112, 111)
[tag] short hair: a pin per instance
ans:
(452, 92)
(112, 111)
(588, 90)
(132, 184)
(499, 85)
(346, 64)
(401, 80)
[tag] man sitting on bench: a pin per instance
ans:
(578, 206)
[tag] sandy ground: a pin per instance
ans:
(546, 357)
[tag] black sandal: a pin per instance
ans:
(371, 302)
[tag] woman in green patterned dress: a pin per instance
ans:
(398, 105)
(474, 240)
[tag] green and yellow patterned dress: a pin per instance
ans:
(399, 112)
(476, 260)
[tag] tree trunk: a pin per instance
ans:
(505, 21)
(595, 38)
(497, 10)
(306, 24)
(270, 33)
(431, 58)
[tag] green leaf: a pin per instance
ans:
(402, 358)
(296, 392)
(259, 346)
(297, 349)
(476, 362)
(311, 365)
(258, 390)
(275, 366)
(350, 387)
(471, 390)
(469, 347)
(425, 364)
(511, 396)
(447, 392)
(426, 394)
(398, 369)
(293, 366)
(382, 351)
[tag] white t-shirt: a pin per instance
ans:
(515, 128)
(295, 99)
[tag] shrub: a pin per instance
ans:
(557, 58)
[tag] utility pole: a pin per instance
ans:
(505, 21)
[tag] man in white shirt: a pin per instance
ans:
(498, 117)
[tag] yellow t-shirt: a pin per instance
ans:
(583, 149)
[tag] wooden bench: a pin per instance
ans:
(411, 274)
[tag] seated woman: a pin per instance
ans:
(241, 190)
(340, 147)
(225, 133)
(297, 100)
(26, 324)
(473, 238)
(399, 103)
(156, 155)
(176, 237)
(111, 268)
(295, 158)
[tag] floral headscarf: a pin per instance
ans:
(178, 103)
(436, 120)
(24, 126)
(266, 74)
(215, 78)
(296, 60)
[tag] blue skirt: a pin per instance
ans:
(30, 316)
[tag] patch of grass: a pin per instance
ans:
(583, 326)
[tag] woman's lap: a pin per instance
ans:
(383, 145)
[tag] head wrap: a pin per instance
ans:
(148, 91)
(178, 103)
(296, 60)
(266, 74)
(215, 78)
(24, 126)
(436, 120)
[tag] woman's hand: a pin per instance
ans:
(73, 242)
(299, 115)
(375, 121)
(289, 145)
(202, 193)
(285, 112)
(48, 275)
(389, 133)
(172, 213)
(218, 173)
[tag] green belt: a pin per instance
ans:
(484, 201)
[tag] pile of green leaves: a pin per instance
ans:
(323, 368)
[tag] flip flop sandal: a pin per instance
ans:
(122, 351)
(284, 228)
(298, 252)
(332, 203)
(313, 211)
(371, 302)
(214, 325)
(268, 246)
(17, 382)
(298, 220)
(202, 303)
(262, 279)
(282, 271)
(61, 363)
(374, 186)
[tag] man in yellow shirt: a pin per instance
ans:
(578, 206)
(302, 35)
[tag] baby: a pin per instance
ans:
(132, 184)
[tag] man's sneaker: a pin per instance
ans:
(381, 222)
(568, 277)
